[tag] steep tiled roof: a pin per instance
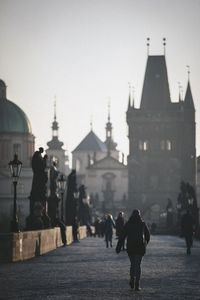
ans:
(91, 143)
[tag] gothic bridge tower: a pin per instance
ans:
(161, 142)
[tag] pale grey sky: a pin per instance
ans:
(85, 51)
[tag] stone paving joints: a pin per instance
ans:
(88, 270)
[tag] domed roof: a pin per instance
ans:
(12, 117)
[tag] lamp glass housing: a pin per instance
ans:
(15, 168)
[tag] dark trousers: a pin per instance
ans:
(135, 269)
(188, 240)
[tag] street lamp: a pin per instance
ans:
(62, 185)
(15, 169)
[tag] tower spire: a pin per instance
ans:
(179, 92)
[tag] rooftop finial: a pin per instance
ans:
(55, 108)
(109, 100)
(188, 68)
(148, 44)
(164, 45)
(91, 123)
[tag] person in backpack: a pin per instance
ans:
(138, 237)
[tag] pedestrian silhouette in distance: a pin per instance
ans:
(187, 230)
(138, 237)
(108, 227)
(119, 226)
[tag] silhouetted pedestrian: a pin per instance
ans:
(75, 228)
(119, 225)
(108, 227)
(187, 228)
(62, 226)
(138, 236)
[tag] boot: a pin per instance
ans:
(132, 282)
(188, 251)
(137, 286)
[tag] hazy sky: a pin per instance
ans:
(85, 51)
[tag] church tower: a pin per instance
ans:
(161, 142)
(110, 144)
(55, 151)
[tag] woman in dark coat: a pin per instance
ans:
(138, 236)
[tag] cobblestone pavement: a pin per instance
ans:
(88, 270)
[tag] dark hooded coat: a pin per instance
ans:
(137, 234)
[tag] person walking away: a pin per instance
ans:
(120, 225)
(138, 237)
(75, 229)
(187, 228)
(109, 225)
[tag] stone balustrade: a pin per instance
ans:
(28, 244)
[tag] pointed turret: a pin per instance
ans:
(129, 101)
(111, 145)
(55, 143)
(188, 101)
(155, 94)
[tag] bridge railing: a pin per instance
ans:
(28, 244)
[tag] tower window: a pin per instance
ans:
(143, 145)
(168, 145)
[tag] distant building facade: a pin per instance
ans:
(161, 143)
(55, 151)
(15, 138)
(99, 169)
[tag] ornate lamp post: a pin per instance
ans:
(15, 169)
(62, 185)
